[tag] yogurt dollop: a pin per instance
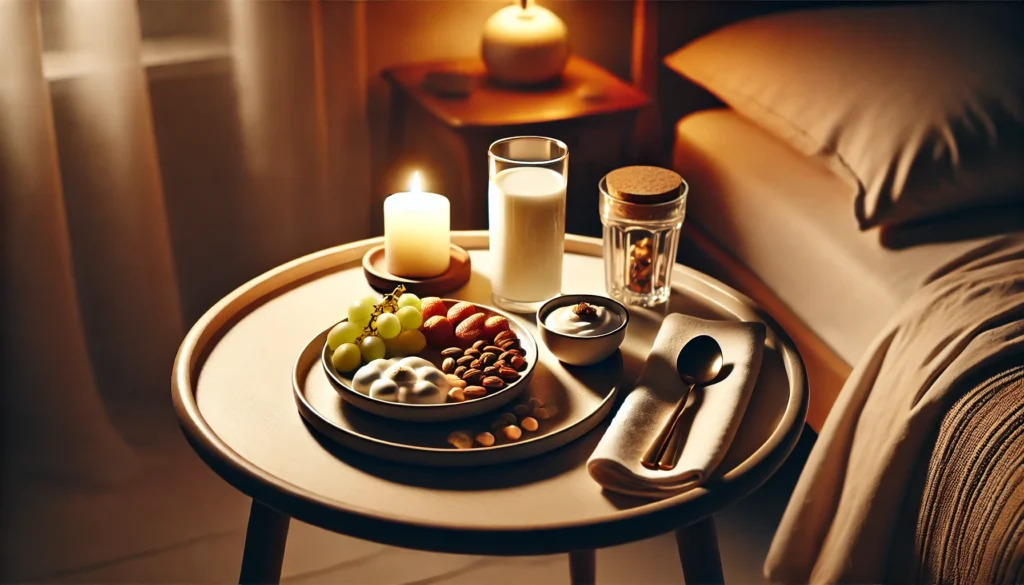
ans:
(411, 380)
(591, 321)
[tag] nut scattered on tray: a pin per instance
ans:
(508, 427)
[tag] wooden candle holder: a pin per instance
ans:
(377, 275)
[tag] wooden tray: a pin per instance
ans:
(581, 397)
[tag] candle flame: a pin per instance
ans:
(414, 183)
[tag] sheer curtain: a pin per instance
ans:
(143, 178)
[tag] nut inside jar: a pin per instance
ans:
(640, 266)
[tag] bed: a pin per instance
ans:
(869, 195)
(755, 203)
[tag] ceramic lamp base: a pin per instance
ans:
(459, 270)
(524, 46)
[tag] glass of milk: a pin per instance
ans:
(526, 205)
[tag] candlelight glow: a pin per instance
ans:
(414, 183)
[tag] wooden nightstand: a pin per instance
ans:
(591, 110)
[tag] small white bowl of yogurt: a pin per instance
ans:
(582, 330)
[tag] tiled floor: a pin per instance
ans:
(182, 524)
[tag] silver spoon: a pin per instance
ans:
(699, 362)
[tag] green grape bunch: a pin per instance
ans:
(389, 304)
(377, 327)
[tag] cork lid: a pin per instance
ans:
(643, 185)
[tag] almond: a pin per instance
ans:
(475, 391)
(493, 382)
(517, 362)
(472, 352)
(459, 371)
(479, 343)
(460, 440)
(470, 375)
(465, 360)
(448, 365)
(488, 358)
(508, 373)
(452, 352)
(503, 336)
(543, 413)
(456, 381)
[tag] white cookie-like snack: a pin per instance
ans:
(411, 380)
(368, 374)
(415, 362)
(383, 389)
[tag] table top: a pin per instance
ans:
(232, 393)
(586, 90)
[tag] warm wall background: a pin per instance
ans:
(399, 32)
(192, 87)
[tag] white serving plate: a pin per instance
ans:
(438, 412)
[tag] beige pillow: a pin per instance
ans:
(920, 108)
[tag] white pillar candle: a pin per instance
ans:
(417, 239)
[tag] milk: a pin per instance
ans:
(527, 225)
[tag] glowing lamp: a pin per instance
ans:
(525, 44)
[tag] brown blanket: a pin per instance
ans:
(917, 474)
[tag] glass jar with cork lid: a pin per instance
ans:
(642, 210)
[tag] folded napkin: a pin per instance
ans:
(713, 413)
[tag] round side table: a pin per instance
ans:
(232, 394)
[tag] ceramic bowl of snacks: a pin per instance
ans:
(428, 360)
(582, 330)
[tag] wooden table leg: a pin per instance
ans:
(698, 552)
(264, 545)
(582, 567)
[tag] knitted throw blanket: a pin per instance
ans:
(970, 522)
